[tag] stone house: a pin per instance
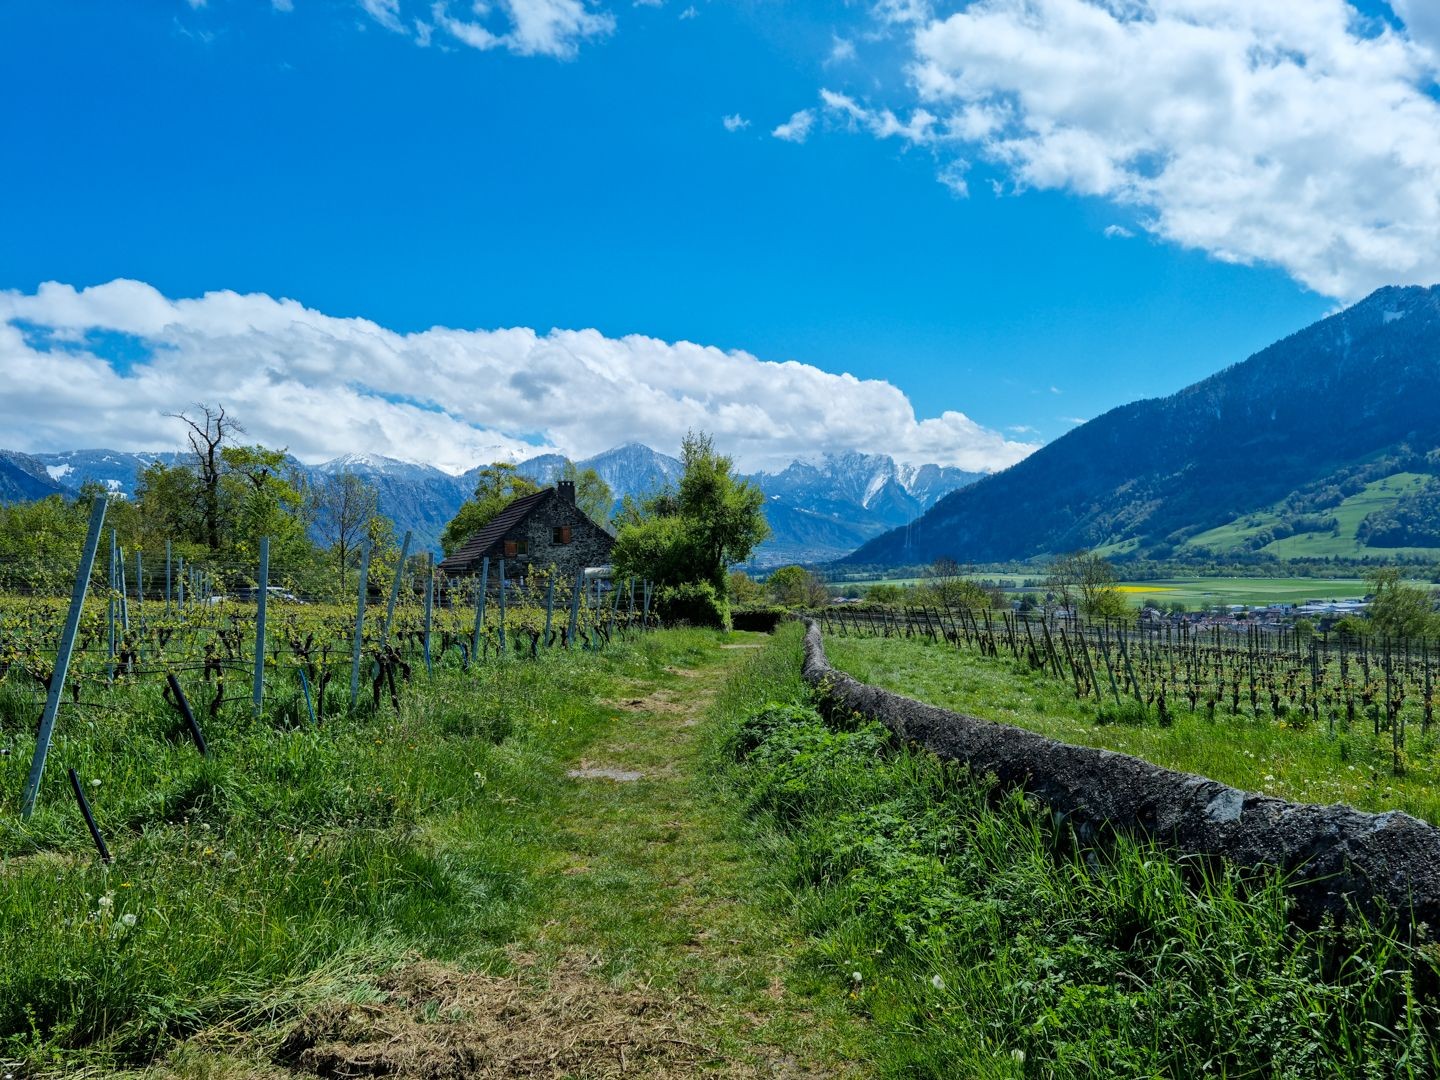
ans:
(535, 531)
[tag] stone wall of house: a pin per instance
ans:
(589, 544)
(1387, 865)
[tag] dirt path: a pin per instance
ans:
(657, 955)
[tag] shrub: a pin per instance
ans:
(763, 619)
(694, 603)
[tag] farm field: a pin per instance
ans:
(378, 888)
(1195, 591)
(1291, 759)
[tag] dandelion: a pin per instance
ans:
(105, 902)
(128, 918)
(95, 782)
(856, 977)
(1018, 1056)
(937, 982)
(1269, 777)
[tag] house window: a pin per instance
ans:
(511, 548)
(562, 534)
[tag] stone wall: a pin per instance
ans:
(1388, 865)
(589, 544)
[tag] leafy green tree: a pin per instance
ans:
(496, 487)
(592, 494)
(946, 585)
(743, 589)
(885, 592)
(794, 586)
(694, 532)
(1399, 609)
(263, 495)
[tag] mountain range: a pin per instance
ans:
(817, 510)
(1322, 445)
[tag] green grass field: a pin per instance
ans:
(1289, 759)
(1341, 543)
(1195, 592)
(394, 890)
(981, 939)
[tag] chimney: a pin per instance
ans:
(566, 490)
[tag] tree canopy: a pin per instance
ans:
(497, 485)
(692, 533)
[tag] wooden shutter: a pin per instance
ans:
(509, 548)
(565, 534)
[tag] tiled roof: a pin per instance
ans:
(476, 547)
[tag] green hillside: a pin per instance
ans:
(1332, 533)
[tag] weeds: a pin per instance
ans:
(983, 941)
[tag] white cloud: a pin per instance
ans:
(1293, 133)
(735, 122)
(1422, 19)
(1118, 232)
(797, 128)
(325, 386)
(283, 5)
(690, 12)
(384, 12)
(534, 27)
(882, 123)
(841, 50)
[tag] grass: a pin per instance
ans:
(1341, 543)
(1304, 764)
(980, 941)
(1196, 592)
(298, 867)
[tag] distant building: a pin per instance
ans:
(535, 531)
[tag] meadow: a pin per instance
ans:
(1193, 592)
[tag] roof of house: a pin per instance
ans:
(492, 533)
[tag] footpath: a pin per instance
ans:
(661, 950)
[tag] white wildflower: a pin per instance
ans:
(856, 977)
(106, 901)
(95, 782)
(937, 982)
(128, 918)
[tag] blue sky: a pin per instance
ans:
(357, 156)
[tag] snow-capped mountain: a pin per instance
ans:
(818, 510)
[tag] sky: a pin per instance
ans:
(452, 231)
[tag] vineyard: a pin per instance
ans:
(210, 655)
(1312, 719)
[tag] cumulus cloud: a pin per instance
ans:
(1294, 133)
(1422, 19)
(797, 128)
(325, 386)
(841, 50)
(532, 27)
(735, 122)
(1118, 232)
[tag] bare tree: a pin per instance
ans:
(1086, 580)
(209, 432)
(344, 505)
